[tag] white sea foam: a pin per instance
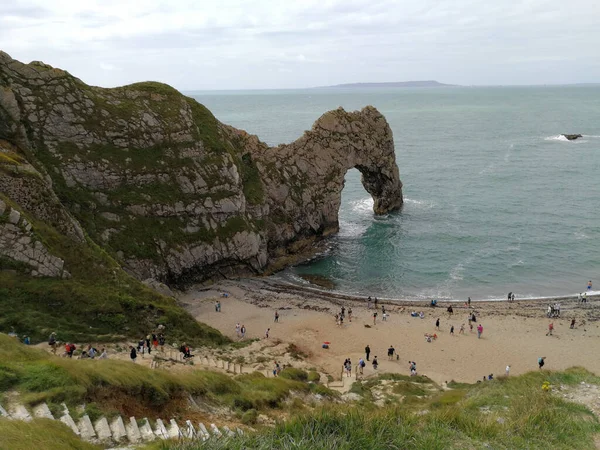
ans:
(425, 204)
(362, 206)
(351, 229)
(559, 137)
(579, 235)
(456, 272)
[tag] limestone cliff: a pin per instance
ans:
(164, 187)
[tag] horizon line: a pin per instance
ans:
(346, 85)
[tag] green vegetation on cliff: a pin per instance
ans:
(100, 302)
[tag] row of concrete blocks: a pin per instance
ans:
(119, 431)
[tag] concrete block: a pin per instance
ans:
(189, 431)
(68, 421)
(215, 431)
(103, 429)
(4, 413)
(173, 430)
(42, 411)
(161, 430)
(227, 431)
(133, 432)
(19, 412)
(117, 427)
(203, 431)
(86, 429)
(146, 431)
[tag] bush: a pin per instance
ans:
(314, 376)
(294, 374)
(250, 417)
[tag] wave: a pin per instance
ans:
(456, 272)
(426, 204)
(351, 229)
(362, 206)
(558, 137)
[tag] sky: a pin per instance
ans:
(275, 44)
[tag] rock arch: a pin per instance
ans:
(304, 179)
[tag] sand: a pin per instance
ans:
(514, 333)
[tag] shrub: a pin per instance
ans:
(250, 417)
(314, 376)
(294, 374)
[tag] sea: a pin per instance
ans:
(495, 199)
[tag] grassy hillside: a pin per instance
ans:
(109, 387)
(510, 413)
(41, 434)
(100, 302)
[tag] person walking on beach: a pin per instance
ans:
(350, 315)
(375, 363)
(572, 324)
(437, 324)
(512, 298)
(462, 329)
(346, 367)
(276, 316)
(132, 353)
(243, 332)
(509, 296)
(367, 351)
(267, 333)
(237, 329)
(343, 312)
(469, 302)
(452, 330)
(374, 317)
(541, 361)
(550, 329)
(584, 298)
(361, 365)
(413, 368)
(507, 371)
(479, 331)
(391, 351)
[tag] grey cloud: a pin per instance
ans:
(268, 43)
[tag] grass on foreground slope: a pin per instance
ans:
(41, 434)
(504, 414)
(123, 387)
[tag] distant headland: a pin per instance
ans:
(408, 84)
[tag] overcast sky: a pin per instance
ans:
(248, 44)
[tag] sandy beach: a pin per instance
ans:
(514, 333)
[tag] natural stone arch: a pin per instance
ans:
(304, 180)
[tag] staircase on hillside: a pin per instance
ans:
(118, 431)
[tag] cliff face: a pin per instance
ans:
(158, 182)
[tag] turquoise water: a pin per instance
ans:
(495, 201)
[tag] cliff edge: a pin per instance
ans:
(162, 186)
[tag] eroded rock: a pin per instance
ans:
(154, 178)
